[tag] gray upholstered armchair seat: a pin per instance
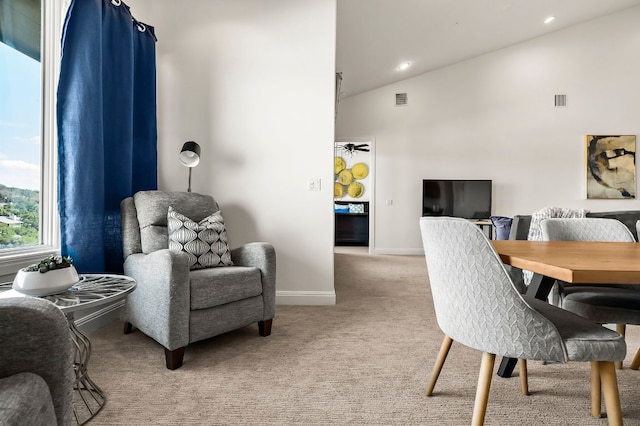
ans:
(603, 304)
(583, 340)
(36, 367)
(177, 306)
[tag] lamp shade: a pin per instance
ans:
(190, 154)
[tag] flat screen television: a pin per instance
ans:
(470, 199)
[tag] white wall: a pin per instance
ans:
(252, 82)
(493, 117)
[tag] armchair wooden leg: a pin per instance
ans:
(264, 327)
(174, 358)
(482, 392)
(620, 328)
(524, 378)
(636, 361)
(442, 356)
(610, 391)
(596, 396)
(128, 327)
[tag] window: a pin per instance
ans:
(29, 54)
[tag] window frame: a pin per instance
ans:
(11, 260)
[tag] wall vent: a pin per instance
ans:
(401, 99)
(560, 101)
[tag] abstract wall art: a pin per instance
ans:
(351, 170)
(610, 166)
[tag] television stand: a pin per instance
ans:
(352, 229)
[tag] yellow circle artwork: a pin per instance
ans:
(338, 164)
(345, 177)
(355, 189)
(360, 170)
(338, 190)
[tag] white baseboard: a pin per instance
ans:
(88, 323)
(399, 252)
(284, 297)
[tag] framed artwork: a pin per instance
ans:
(610, 166)
(350, 169)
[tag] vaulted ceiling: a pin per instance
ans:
(375, 36)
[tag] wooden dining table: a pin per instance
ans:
(576, 262)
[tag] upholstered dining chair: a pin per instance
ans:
(190, 286)
(477, 304)
(604, 304)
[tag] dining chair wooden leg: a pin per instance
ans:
(596, 397)
(611, 394)
(482, 391)
(442, 356)
(620, 328)
(635, 364)
(524, 380)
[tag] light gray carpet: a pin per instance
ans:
(363, 361)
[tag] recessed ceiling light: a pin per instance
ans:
(549, 19)
(403, 66)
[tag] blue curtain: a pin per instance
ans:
(107, 134)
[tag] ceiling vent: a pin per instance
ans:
(401, 99)
(560, 101)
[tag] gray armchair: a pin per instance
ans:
(36, 371)
(177, 306)
(477, 304)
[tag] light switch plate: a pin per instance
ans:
(313, 184)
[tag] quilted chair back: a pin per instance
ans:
(144, 217)
(585, 229)
(475, 301)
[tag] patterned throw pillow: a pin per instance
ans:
(205, 242)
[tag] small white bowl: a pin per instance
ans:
(47, 283)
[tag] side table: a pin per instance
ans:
(91, 291)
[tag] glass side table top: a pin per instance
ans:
(92, 290)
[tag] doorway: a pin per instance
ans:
(353, 193)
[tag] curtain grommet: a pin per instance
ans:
(141, 27)
(116, 2)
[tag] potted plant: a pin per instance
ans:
(53, 274)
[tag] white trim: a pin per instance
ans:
(52, 17)
(95, 320)
(11, 260)
(399, 251)
(15, 260)
(286, 297)
(98, 319)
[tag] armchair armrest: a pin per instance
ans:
(35, 338)
(160, 305)
(262, 256)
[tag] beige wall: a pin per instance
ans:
(252, 82)
(493, 117)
